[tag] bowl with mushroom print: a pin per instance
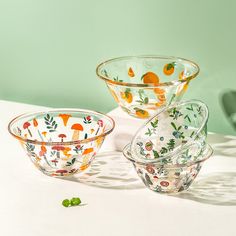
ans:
(174, 128)
(61, 142)
(169, 177)
(144, 85)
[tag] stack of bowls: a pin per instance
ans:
(170, 148)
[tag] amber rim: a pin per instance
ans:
(127, 153)
(175, 82)
(61, 143)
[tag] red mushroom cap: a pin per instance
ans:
(58, 148)
(62, 136)
(100, 123)
(61, 171)
(26, 125)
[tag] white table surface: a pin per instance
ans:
(30, 202)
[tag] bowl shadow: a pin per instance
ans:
(223, 145)
(109, 170)
(214, 189)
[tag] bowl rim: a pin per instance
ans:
(127, 153)
(81, 141)
(182, 103)
(174, 82)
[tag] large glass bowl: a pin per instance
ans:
(143, 85)
(171, 177)
(61, 142)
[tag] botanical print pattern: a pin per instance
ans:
(62, 158)
(167, 180)
(145, 102)
(169, 177)
(170, 130)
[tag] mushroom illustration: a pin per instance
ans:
(100, 124)
(99, 141)
(92, 130)
(86, 158)
(58, 148)
(35, 123)
(87, 151)
(65, 152)
(43, 151)
(61, 172)
(26, 125)
(44, 133)
(55, 162)
(62, 136)
(65, 118)
(77, 128)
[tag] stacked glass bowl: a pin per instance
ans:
(170, 148)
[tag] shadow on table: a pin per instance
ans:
(121, 140)
(216, 189)
(110, 170)
(223, 144)
(228, 104)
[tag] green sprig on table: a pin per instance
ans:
(75, 201)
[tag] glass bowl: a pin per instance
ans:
(61, 142)
(172, 129)
(171, 177)
(143, 85)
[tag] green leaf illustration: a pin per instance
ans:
(190, 108)
(187, 117)
(51, 124)
(171, 144)
(155, 153)
(173, 125)
(154, 124)
(149, 132)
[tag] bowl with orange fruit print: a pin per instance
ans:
(144, 85)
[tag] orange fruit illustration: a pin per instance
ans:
(161, 97)
(150, 78)
(127, 96)
(141, 113)
(169, 68)
(131, 72)
(159, 91)
(160, 103)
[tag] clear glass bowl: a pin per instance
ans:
(61, 142)
(171, 130)
(171, 177)
(143, 85)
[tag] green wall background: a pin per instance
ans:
(49, 49)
